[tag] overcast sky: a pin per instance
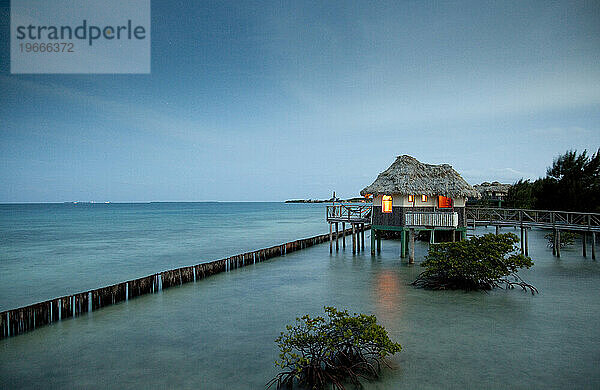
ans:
(277, 100)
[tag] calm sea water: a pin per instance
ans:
(51, 250)
(218, 333)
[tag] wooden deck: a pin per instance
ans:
(350, 212)
(357, 215)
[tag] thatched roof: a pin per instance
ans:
(408, 176)
(495, 186)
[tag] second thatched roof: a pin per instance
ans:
(408, 176)
(494, 186)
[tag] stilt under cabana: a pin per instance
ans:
(411, 239)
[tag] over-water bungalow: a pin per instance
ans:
(411, 196)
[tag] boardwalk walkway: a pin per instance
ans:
(557, 221)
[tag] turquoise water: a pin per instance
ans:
(51, 250)
(218, 333)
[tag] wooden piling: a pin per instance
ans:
(373, 233)
(353, 239)
(20, 320)
(330, 239)
(337, 244)
(403, 244)
(557, 242)
(497, 229)
(378, 238)
(526, 242)
(411, 239)
(344, 235)
(593, 245)
(583, 239)
(554, 242)
(522, 240)
(362, 235)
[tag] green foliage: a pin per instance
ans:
(318, 352)
(521, 195)
(480, 263)
(572, 183)
(566, 238)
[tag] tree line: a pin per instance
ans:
(572, 183)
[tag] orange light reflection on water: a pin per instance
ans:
(389, 295)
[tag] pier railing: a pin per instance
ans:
(347, 212)
(564, 220)
(432, 219)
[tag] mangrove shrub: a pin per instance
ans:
(480, 263)
(566, 238)
(333, 350)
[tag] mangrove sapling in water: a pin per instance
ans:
(566, 238)
(481, 263)
(319, 352)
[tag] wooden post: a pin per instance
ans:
(526, 242)
(330, 239)
(353, 239)
(583, 239)
(554, 242)
(497, 229)
(362, 234)
(522, 240)
(557, 243)
(373, 233)
(344, 235)
(337, 244)
(453, 235)
(378, 238)
(432, 237)
(593, 245)
(411, 254)
(403, 243)
(358, 238)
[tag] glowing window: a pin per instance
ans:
(386, 204)
(423, 198)
(444, 202)
(411, 198)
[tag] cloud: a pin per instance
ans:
(172, 124)
(561, 131)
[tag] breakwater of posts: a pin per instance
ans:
(17, 321)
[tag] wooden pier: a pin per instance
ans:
(587, 225)
(583, 223)
(358, 216)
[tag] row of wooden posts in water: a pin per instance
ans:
(17, 321)
(358, 236)
(556, 241)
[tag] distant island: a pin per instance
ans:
(331, 200)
